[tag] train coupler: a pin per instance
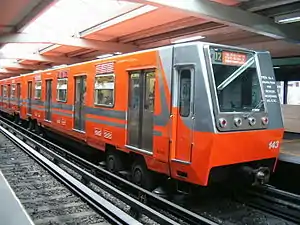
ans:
(258, 176)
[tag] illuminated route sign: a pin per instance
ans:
(221, 56)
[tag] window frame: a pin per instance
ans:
(35, 82)
(5, 91)
(114, 90)
(212, 82)
(179, 71)
(11, 91)
(66, 99)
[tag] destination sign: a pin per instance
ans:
(228, 57)
(233, 58)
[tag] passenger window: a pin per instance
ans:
(185, 92)
(8, 91)
(38, 89)
(13, 91)
(149, 91)
(105, 90)
(62, 87)
(4, 91)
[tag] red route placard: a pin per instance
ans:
(233, 58)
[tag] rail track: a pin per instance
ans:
(84, 173)
(45, 199)
(248, 206)
(274, 201)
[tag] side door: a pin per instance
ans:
(29, 97)
(79, 103)
(9, 95)
(19, 97)
(141, 110)
(2, 92)
(48, 100)
(183, 86)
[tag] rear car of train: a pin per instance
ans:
(234, 120)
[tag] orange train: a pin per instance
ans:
(197, 112)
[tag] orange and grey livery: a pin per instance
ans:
(196, 112)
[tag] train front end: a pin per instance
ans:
(237, 122)
(247, 114)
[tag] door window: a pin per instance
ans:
(185, 93)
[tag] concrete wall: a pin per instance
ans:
(291, 116)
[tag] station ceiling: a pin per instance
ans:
(115, 26)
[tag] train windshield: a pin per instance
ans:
(236, 81)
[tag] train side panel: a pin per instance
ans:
(106, 122)
(165, 106)
(5, 96)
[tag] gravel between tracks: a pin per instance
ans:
(45, 199)
(225, 210)
(49, 202)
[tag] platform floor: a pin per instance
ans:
(11, 210)
(290, 151)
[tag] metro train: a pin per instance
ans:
(195, 112)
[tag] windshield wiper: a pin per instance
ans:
(253, 110)
(235, 74)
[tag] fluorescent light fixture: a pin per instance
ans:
(108, 55)
(288, 18)
(187, 39)
(104, 56)
(276, 67)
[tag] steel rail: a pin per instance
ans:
(111, 212)
(274, 201)
(284, 195)
(153, 200)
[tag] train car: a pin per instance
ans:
(196, 112)
(10, 89)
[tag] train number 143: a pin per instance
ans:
(273, 144)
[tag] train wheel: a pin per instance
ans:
(37, 128)
(16, 119)
(114, 163)
(141, 176)
(30, 125)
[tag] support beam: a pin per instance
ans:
(230, 16)
(69, 41)
(201, 29)
(128, 12)
(291, 61)
(5, 71)
(254, 6)
(37, 57)
(6, 28)
(22, 66)
(34, 13)
(4, 76)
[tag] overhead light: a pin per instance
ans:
(276, 67)
(288, 18)
(108, 55)
(57, 66)
(187, 39)
(104, 56)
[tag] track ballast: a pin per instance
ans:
(45, 199)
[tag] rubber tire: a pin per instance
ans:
(114, 159)
(37, 128)
(141, 176)
(30, 125)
